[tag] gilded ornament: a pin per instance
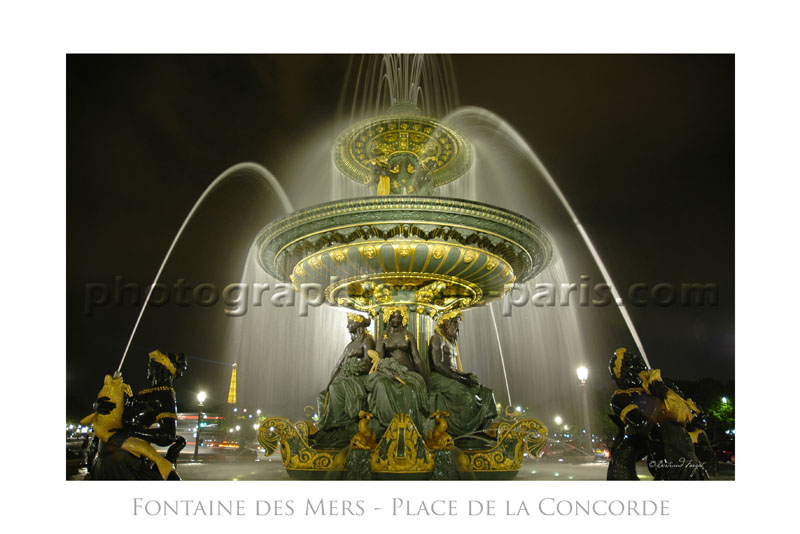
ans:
(401, 449)
(382, 293)
(296, 453)
(428, 293)
(450, 315)
(364, 438)
(338, 256)
(524, 435)
(389, 310)
(356, 317)
(438, 438)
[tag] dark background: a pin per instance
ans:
(642, 147)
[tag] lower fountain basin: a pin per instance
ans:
(441, 253)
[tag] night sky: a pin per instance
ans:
(641, 145)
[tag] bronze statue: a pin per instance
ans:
(346, 394)
(700, 440)
(399, 384)
(652, 417)
(469, 405)
(125, 425)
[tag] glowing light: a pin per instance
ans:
(583, 373)
(724, 400)
(558, 420)
(238, 428)
(201, 397)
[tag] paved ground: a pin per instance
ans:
(260, 469)
(272, 469)
(230, 466)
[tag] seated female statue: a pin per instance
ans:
(470, 405)
(346, 394)
(400, 383)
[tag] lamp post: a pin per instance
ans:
(583, 375)
(200, 398)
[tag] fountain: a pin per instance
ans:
(405, 240)
(405, 248)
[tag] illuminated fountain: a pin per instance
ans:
(404, 233)
(404, 247)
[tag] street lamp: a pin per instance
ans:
(583, 375)
(558, 420)
(201, 397)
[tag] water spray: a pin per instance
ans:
(506, 128)
(500, 348)
(260, 172)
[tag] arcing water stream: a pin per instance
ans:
(240, 170)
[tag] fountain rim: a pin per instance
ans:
(441, 176)
(326, 210)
